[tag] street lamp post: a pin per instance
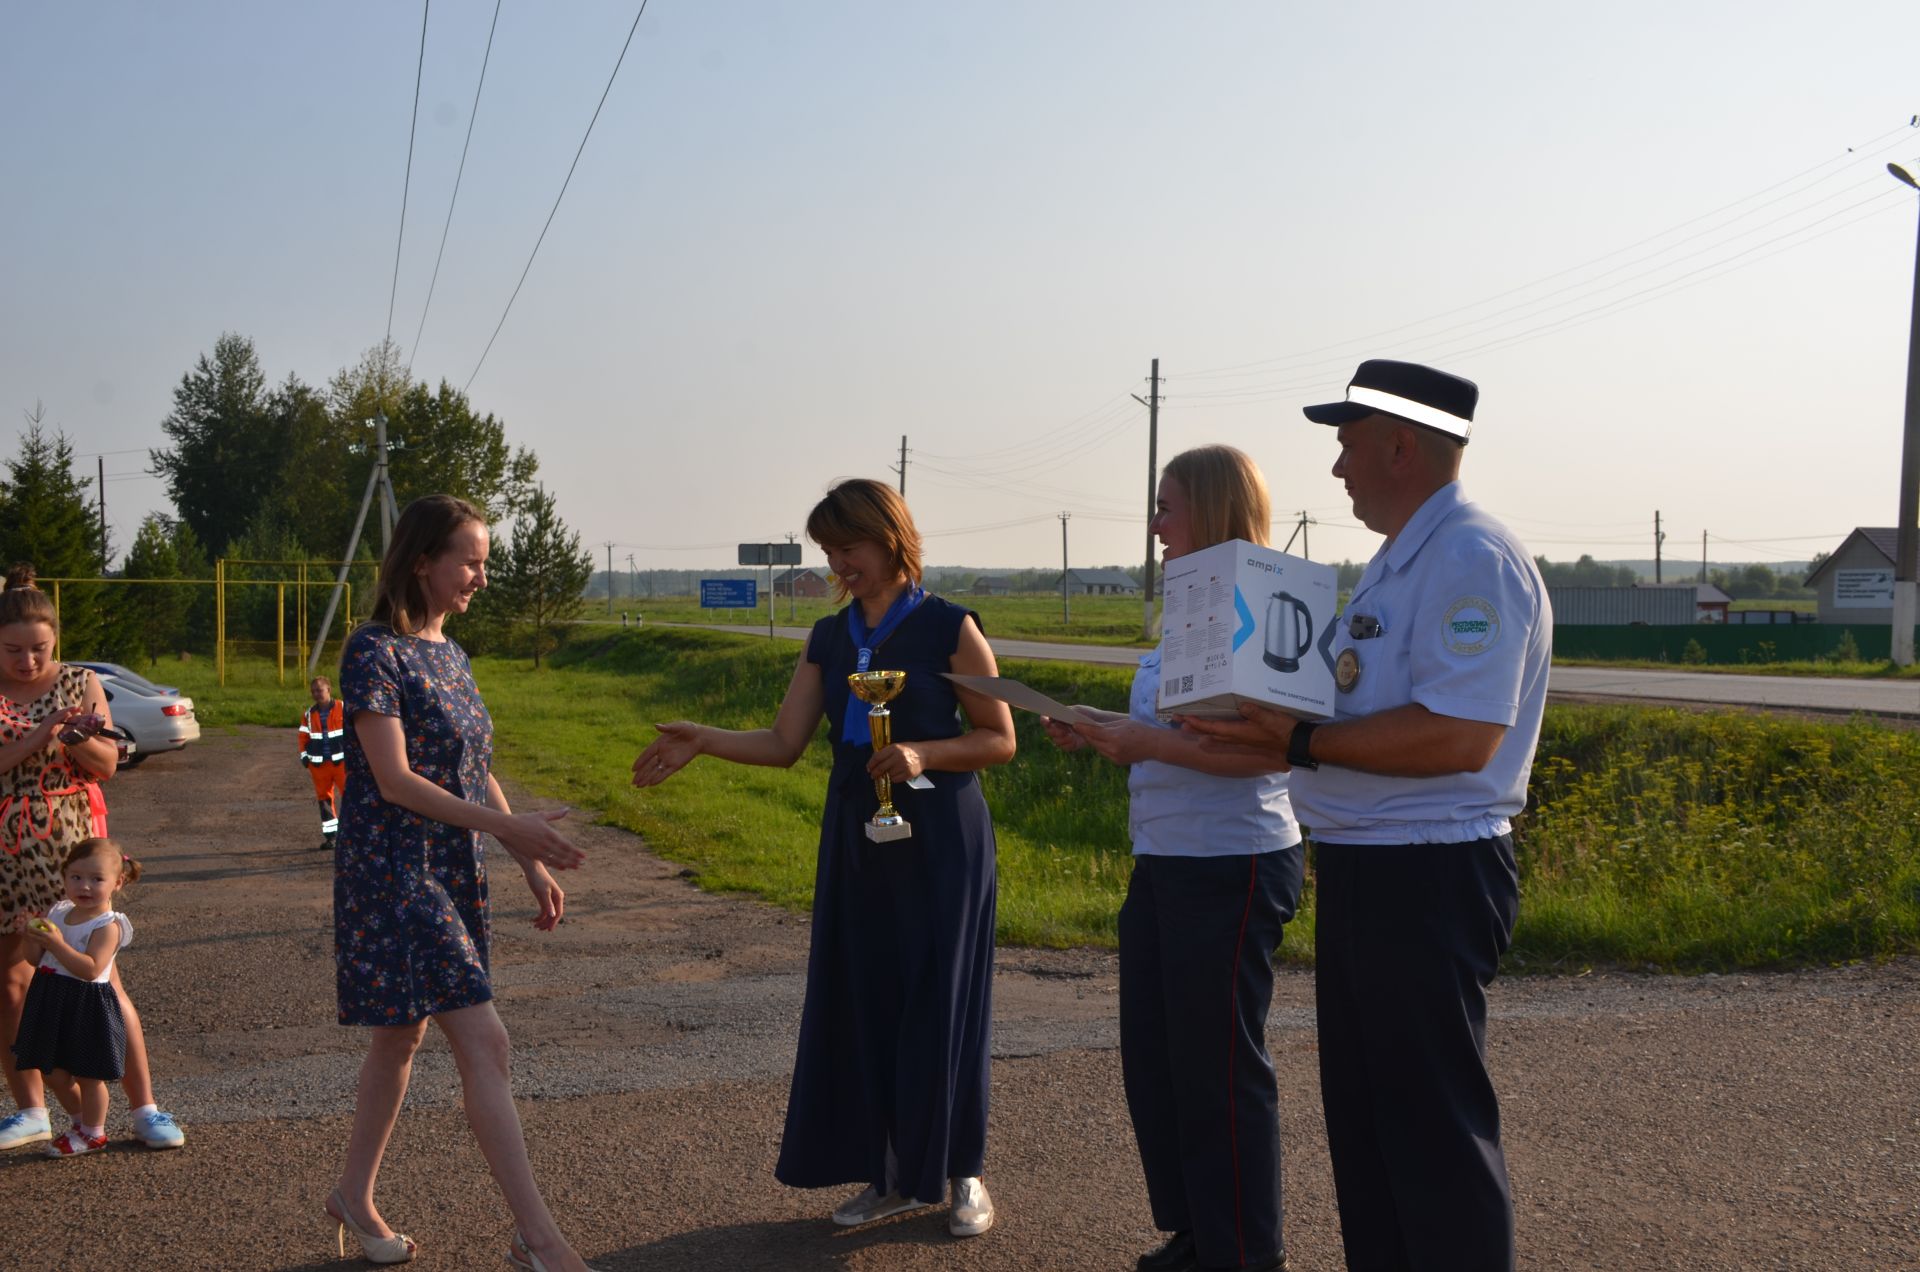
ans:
(1907, 545)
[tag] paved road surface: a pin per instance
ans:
(1713, 1124)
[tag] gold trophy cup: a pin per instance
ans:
(879, 688)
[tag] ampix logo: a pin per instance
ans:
(1471, 625)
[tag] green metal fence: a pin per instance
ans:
(1729, 644)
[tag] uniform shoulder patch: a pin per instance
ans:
(1471, 626)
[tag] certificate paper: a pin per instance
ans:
(1015, 694)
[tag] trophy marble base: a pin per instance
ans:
(885, 833)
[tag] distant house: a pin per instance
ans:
(1101, 583)
(1711, 605)
(1623, 606)
(993, 585)
(1855, 584)
(810, 584)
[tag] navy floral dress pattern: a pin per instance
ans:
(410, 893)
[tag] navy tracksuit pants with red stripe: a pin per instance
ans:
(1197, 936)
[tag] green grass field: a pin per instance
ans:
(1678, 840)
(1090, 620)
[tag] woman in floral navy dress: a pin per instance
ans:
(410, 885)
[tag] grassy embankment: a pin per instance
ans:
(1675, 839)
(1092, 620)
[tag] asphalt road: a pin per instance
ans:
(1897, 699)
(1716, 1123)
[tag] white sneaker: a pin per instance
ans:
(25, 1128)
(971, 1212)
(870, 1205)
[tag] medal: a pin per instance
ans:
(1346, 671)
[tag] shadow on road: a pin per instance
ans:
(791, 1243)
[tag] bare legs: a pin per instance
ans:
(16, 973)
(480, 1050)
(137, 1081)
(376, 1107)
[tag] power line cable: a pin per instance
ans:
(1485, 325)
(1862, 151)
(406, 182)
(1647, 295)
(471, 116)
(556, 202)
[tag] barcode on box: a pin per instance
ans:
(1186, 684)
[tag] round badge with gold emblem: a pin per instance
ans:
(1346, 671)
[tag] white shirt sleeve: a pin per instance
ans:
(1470, 635)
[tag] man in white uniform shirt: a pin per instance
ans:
(1441, 660)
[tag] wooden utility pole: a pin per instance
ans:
(609, 578)
(902, 470)
(1065, 608)
(1657, 537)
(1152, 403)
(1300, 533)
(101, 467)
(1703, 558)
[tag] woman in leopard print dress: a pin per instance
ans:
(44, 810)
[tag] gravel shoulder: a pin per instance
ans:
(1735, 1122)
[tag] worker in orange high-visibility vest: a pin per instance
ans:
(323, 751)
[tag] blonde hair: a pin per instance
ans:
(24, 602)
(424, 527)
(103, 847)
(860, 510)
(1226, 495)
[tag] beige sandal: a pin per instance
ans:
(521, 1256)
(398, 1248)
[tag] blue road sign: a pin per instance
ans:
(729, 593)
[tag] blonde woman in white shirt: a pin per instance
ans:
(1216, 874)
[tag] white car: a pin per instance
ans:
(152, 722)
(130, 678)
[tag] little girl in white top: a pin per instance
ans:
(71, 1028)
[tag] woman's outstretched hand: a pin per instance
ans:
(553, 902)
(532, 840)
(667, 754)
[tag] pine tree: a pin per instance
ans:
(150, 618)
(226, 458)
(540, 576)
(48, 519)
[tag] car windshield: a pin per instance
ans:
(131, 678)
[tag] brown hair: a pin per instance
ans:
(23, 602)
(860, 510)
(102, 847)
(1226, 495)
(424, 527)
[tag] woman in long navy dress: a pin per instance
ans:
(890, 1080)
(411, 931)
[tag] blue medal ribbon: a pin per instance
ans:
(853, 728)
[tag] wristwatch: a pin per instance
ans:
(1300, 744)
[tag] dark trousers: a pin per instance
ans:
(1197, 936)
(1407, 939)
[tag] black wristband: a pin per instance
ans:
(1300, 744)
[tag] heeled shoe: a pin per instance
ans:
(521, 1256)
(398, 1248)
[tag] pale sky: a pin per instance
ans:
(801, 230)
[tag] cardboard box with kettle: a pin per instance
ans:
(1241, 622)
